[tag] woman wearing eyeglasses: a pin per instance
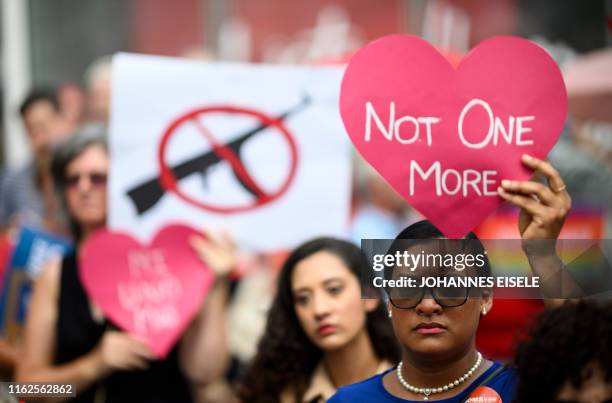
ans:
(68, 340)
(437, 327)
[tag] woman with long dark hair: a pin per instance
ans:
(321, 334)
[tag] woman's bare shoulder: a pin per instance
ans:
(49, 277)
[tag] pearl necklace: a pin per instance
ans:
(430, 391)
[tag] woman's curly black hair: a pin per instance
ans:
(285, 356)
(562, 344)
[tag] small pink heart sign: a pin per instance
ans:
(445, 137)
(151, 291)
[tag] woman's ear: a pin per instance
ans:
(370, 304)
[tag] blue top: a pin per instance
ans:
(372, 390)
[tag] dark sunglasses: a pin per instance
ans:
(96, 179)
(447, 297)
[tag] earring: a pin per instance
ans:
(484, 311)
(390, 314)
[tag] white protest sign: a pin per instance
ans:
(257, 149)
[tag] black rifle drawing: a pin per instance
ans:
(147, 194)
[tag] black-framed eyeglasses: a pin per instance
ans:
(447, 297)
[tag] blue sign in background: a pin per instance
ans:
(33, 250)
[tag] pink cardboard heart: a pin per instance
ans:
(151, 291)
(444, 138)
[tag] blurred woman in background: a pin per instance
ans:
(567, 356)
(321, 334)
(68, 340)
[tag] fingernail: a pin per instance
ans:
(527, 158)
(501, 191)
(506, 183)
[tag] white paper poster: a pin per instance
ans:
(259, 150)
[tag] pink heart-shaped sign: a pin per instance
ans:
(444, 138)
(151, 291)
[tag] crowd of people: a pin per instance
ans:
(315, 337)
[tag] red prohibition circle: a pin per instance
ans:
(168, 179)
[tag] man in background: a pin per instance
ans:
(45, 125)
(98, 86)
